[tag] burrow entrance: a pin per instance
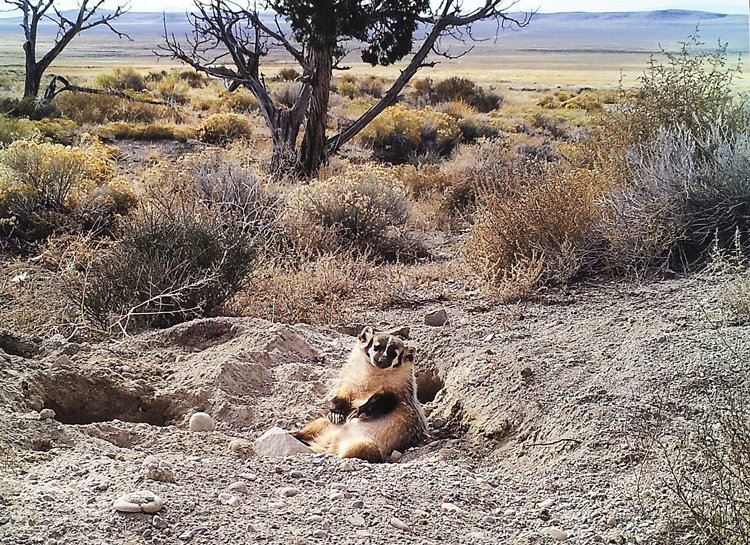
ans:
(429, 384)
(78, 399)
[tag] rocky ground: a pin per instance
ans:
(539, 416)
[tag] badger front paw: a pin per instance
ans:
(338, 410)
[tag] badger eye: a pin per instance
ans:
(379, 346)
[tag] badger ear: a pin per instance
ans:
(366, 335)
(400, 332)
(410, 354)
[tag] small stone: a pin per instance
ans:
(546, 503)
(229, 499)
(142, 501)
(320, 534)
(277, 442)
(288, 492)
(201, 422)
(438, 422)
(400, 524)
(611, 522)
(163, 474)
(395, 456)
(249, 476)
(335, 496)
(186, 535)
(151, 461)
(46, 414)
(315, 518)
(276, 504)
(103, 486)
(527, 373)
(347, 466)
(436, 318)
(356, 520)
(446, 506)
(556, 534)
(148, 532)
(509, 512)
(488, 520)
(358, 504)
(241, 447)
(158, 522)
(238, 486)
(338, 486)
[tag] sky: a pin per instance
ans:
(720, 6)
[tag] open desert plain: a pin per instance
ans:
(527, 231)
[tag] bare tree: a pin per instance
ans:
(34, 12)
(229, 42)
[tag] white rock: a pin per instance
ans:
(556, 534)
(288, 492)
(201, 422)
(335, 496)
(142, 501)
(151, 461)
(229, 499)
(400, 524)
(356, 520)
(546, 503)
(238, 486)
(446, 506)
(158, 522)
(45, 414)
(396, 456)
(277, 442)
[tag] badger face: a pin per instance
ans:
(385, 351)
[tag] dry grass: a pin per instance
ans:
(534, 229)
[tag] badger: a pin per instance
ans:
(375, 409)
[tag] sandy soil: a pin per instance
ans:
(538, 416)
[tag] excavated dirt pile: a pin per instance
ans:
(537, 416)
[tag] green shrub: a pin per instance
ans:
(457, 88)
(692, 90)
(224, 128)
(181, 257)
(12, 129)
(27, 107)
(288, 74)
(121, 79)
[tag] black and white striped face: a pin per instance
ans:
(385, 351)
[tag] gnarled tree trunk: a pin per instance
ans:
(313, 152)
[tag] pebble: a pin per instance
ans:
(336, 496)
(320, 534)
(396, 456)
(186, 535)
(556, 534)
(141, 501)
(158, 522)
(446, 506)
(229, 499)
(436, 318)
(546, 503)
(400, 524)
(238, 486)
(611, 522)
(356, 520)
(338, 486)
(47, 414)
(296, 474)
(358, 504)
(241, 448)
(163, 474)
(315, 518)
(289, 491)
(201, 422)
(347, 466)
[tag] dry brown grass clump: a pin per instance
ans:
(225, 128)
(536, 228)
(146, 131)
(362, 207)
(96, 109)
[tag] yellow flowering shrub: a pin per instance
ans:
(399, 133)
